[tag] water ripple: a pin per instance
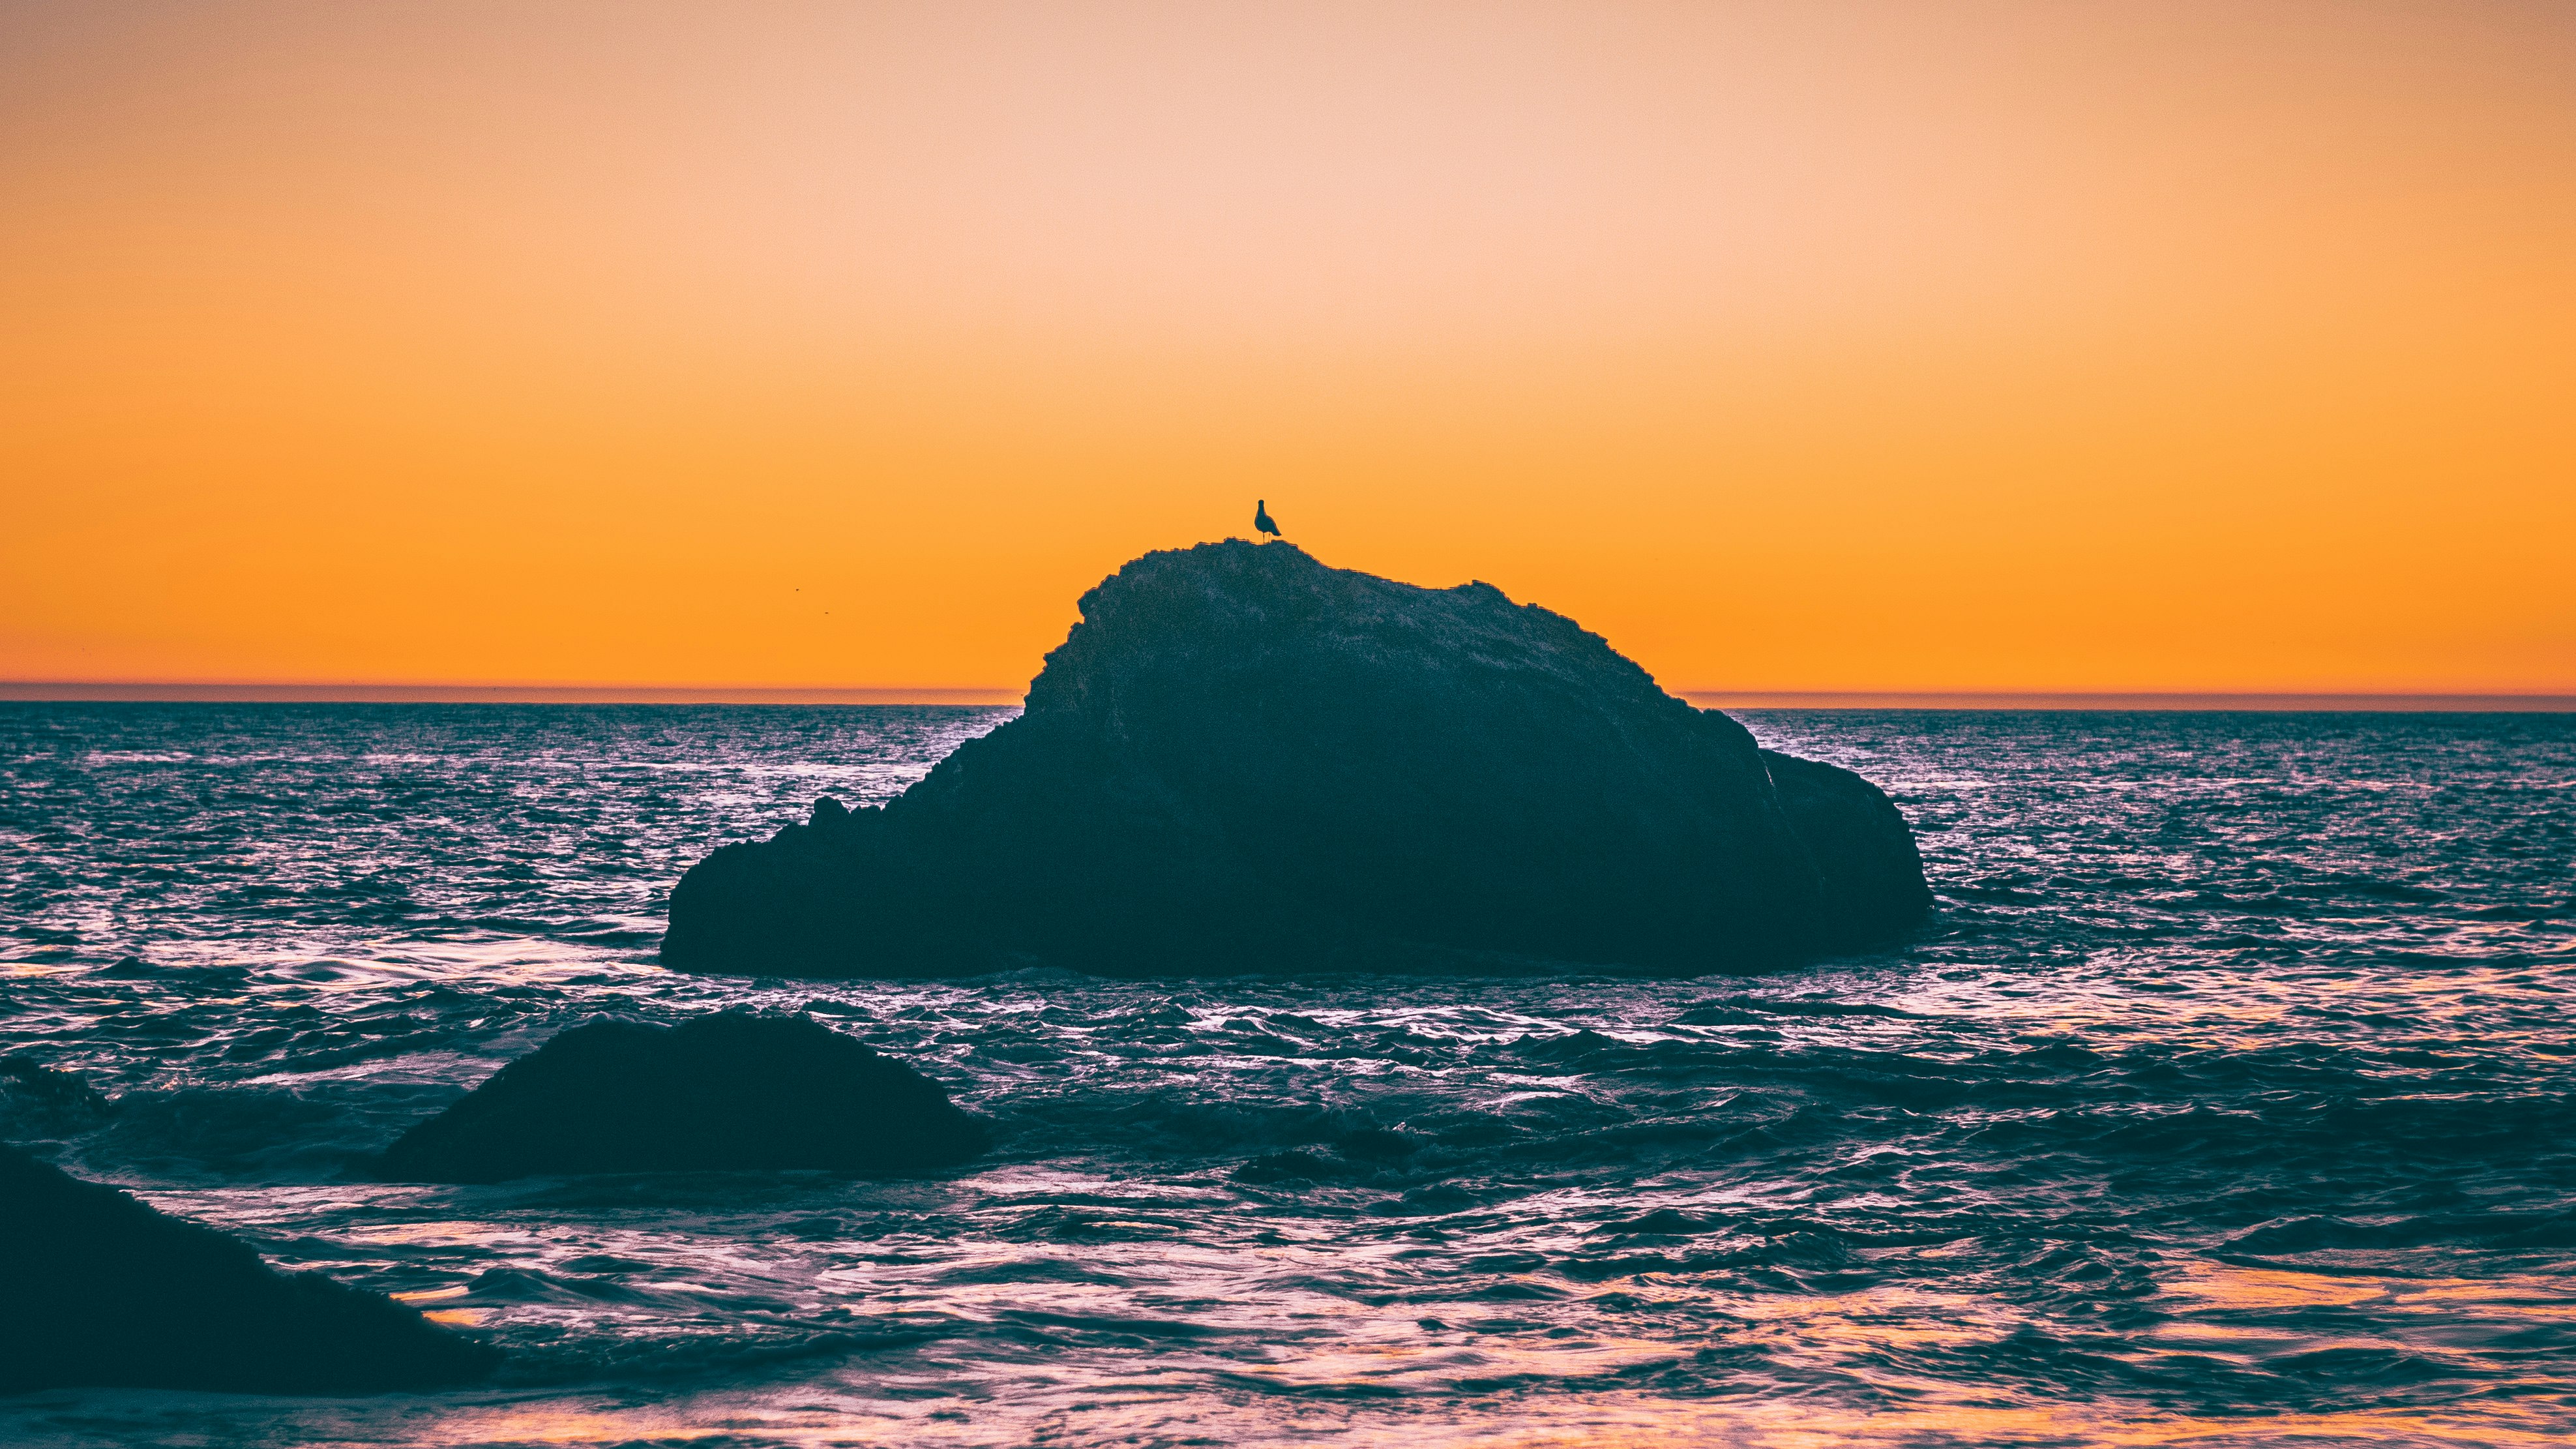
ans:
(2227, 1099)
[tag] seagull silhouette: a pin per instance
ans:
(1261, 519)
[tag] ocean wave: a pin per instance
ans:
(2229, 1086)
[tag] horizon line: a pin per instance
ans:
(2347, 701)
(381, 692)
(377, 692)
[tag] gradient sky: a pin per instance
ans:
(2048, 346)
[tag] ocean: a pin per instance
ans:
(2225, 1100)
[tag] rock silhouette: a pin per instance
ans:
(98, 1290)
(724, 1091)
(1243, 758)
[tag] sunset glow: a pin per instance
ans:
(1798, 347)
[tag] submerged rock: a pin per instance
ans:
(98, 1290)
(728, 1090)
(1242, 758)
(38, 1101)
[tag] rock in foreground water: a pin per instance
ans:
(1242, 758)
(98, 1290)
(38, 1101)
(724, 1091)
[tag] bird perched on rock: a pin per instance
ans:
(1261, 519)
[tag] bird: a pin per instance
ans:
(1261, 519)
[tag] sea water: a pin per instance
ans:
(2226, 1098)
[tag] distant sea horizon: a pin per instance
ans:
(375, 692)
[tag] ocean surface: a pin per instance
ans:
(2226, 1100)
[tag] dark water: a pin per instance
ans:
(2226, 1101)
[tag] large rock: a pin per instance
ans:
(1242, 758)
(729, 1090)
(99, 1290)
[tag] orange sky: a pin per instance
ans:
(2049, 346)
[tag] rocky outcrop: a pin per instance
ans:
(729, 1090)
(98, 1290)
(1242, 758)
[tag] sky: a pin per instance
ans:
(1807, 346)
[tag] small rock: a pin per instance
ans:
(41, 1101)
(724, 1091)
